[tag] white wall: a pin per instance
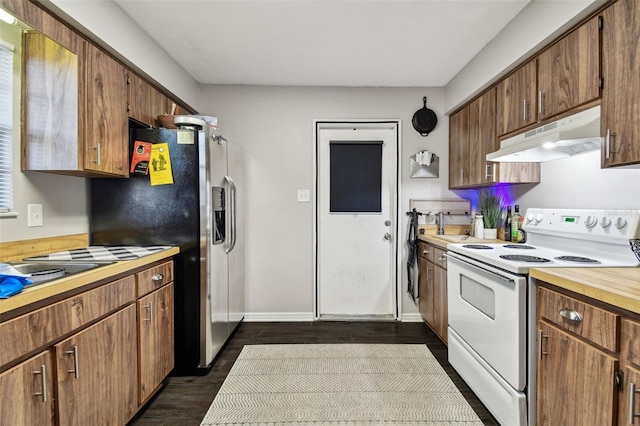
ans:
(275, 126)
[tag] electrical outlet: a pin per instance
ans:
(35, 215)
(304, 195)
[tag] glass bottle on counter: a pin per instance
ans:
(507, 225)
(515, 223)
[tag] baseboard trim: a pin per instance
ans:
(278, 317)
(305, 317)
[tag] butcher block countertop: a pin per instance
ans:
(53, 290)
(619, 287)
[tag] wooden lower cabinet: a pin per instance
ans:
(26, 392)
(155, 340)
(432, 292)
(575, 381)
(95, 372)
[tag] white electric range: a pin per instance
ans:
(491, 300)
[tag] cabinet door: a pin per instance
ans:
(575, 381)
(139, 99)
(26, 393)
(425, 290)
(158, 104)
(440, 302)
(569, 71)
(107, 141)
(459, 148)
(629, 398)
(96, 374)
(516, 100)
(621, 72)
(482, 138)
(155, 339)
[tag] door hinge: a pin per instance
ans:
(618, 379)
(600, 23)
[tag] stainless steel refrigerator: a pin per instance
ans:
(202, 213)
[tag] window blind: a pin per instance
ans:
(6, 128)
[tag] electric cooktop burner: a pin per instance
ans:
(524, 258)
(577, 259)
(518, 246)
(477, 246)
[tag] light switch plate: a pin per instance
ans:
(34, 215)
(304, 195)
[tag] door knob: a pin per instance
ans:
(387, 236)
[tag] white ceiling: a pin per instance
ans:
(382, 43)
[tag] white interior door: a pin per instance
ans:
(356, 216)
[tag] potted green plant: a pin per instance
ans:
(490, 206)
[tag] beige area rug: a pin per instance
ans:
(339, 384)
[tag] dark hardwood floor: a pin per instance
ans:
(184, 400)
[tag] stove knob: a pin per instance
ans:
(539, 217)
(605, 222)
(590, 221)
(620, 222)
(530, 217)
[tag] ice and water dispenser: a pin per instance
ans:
(219, 228)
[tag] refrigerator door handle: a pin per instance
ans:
(232, 195)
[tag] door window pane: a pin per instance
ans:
(355, 177)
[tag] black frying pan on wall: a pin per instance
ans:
(424, 120)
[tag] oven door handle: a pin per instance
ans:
(482, 270)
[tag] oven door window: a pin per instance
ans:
(478, 295)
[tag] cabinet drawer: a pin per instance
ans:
(153, 278)
(426, 251)
(630, 341)
(594, 324)
(36, 329)
(439, 257)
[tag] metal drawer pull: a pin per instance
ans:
(425, 251)
(43, 371)
(570, 314)
(75, 371)
(149, 306)
(632, 403)
(157, 277)
(540, 337)
(443, 257)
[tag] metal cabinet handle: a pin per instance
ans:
(570, 314)
(428, 273)
(157, 277)
(149, 306)
(607, 144)
(443, 257)
(632, 403)
(525, 110)
(97, 148)
(540, 102)
(425, 251)
(76, 370)
(541, 336)
(486, 170)
(43, 371)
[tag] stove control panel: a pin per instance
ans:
(599, 224)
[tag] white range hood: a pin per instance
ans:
(568, 136)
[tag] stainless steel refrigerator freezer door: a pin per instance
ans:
(235, 171)
(215, 322)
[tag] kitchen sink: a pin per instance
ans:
(43, 271)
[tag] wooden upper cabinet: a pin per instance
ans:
(50, 106)
(107, 135)
(517, 100)
(159, 104)
(482, 137)
(459, 148)
(620, 108)
(138, 99)
(569, 71)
